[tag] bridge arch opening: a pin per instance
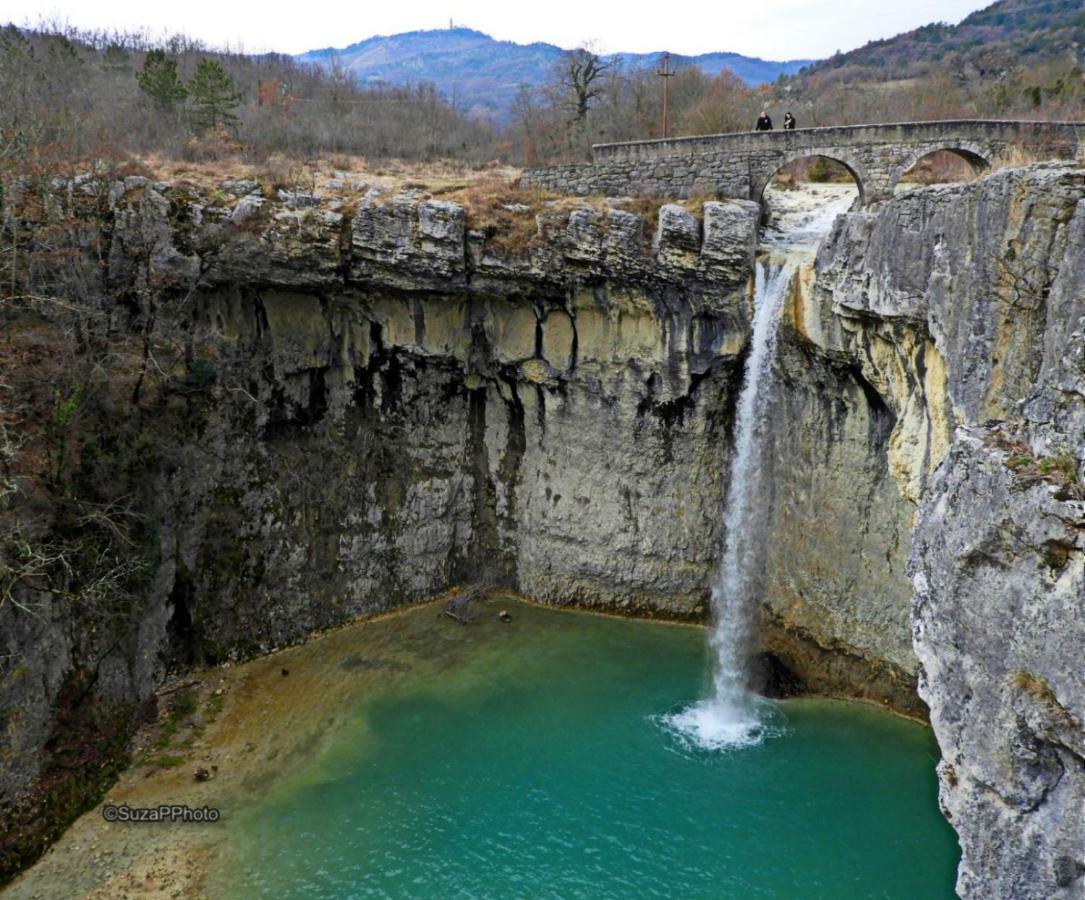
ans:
(806, 189)
(943, 166)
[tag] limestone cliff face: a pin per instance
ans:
(431, 411)
(925, 313)
(376, 404)
(836, 596)
(999, 630)
(963, 307)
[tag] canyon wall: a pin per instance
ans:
(964, 308)
(347, 409)
(359, 405)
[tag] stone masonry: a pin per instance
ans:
(741, 165)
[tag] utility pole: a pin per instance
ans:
(665, 72)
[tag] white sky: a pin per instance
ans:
(772, 29)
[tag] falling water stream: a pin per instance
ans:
(410, 756)
(731, 715)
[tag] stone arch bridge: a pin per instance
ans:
(741, 165)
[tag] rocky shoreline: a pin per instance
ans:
(229, 734)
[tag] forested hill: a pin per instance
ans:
(1005, 35)
(483, 75)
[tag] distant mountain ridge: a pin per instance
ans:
(482, 75)
(986, 43)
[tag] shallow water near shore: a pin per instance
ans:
(530, 758)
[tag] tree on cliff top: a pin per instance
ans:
(214, 96)
(159, 80)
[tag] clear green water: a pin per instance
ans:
(527, 760)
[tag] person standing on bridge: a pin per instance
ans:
(764, 123)
(789, 122)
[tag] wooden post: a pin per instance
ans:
(665, 73)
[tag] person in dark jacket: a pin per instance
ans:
(764, 123)
(789, 122)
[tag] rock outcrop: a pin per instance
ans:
(963, 308)
(359, 407)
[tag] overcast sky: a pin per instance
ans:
(772, 29)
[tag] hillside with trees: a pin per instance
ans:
(988, 43)
(92, 95)
(82, 95)
(1016, 58)
(483, 76)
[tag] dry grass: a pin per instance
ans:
(1037, 687)
(494, 201)
(1060, 469)
(501, 209)
(287, 173)
(647, 208)
(940, 167)
(1034, 686)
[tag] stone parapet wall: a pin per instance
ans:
(741, 165)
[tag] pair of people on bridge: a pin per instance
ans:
(764, 122)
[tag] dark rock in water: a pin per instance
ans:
(770, 677)
(464, 607)
(355, 662)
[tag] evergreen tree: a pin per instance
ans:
(160, 82)
(214, 96)
(115, 58)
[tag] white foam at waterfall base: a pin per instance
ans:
(732, 716)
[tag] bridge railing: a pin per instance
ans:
(1003, 130)
(740, 164)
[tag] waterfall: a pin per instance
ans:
(730, 716)
(733, 716)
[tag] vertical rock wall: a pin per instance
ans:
(963, 307)
(360, 410)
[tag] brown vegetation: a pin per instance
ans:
(72, 95)
(1014, 59)
(1061, 468)
(501, 209)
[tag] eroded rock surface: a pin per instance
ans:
(963, 308)
(366, 406)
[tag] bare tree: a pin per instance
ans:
(581, 72)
